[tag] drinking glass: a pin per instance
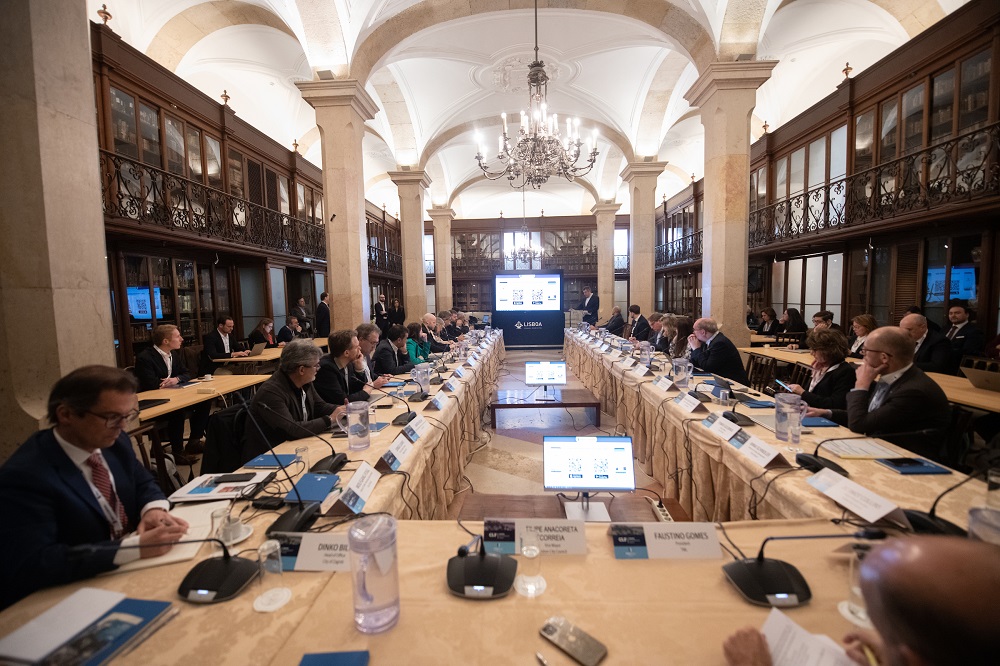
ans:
(272, 592)
(529, 581)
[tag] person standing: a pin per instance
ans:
(591, 303)
(303, 316)
(381, 314)
(397, 315)
(323, 316)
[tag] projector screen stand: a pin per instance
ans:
(587, 512)
(546, 396)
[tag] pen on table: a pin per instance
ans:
(541, 659)
(869, 655)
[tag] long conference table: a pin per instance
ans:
(714, 482)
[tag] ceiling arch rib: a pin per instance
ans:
(657, 103)
(176, 38)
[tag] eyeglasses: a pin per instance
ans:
(878, 351)
(818, 321)
(116, 420)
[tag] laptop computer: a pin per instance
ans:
(258, 349)
(767, 421)
(723, 384)
(983, 379)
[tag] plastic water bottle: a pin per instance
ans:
(375, 573)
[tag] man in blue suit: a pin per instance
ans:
(591, 303)
(74, 495)
(714, 352)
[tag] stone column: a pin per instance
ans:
(726, 93)
(53, 270)
(443, 294)
(411, 186)
(342, 107)
(641, 178)
(605, 214)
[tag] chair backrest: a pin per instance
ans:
(801, 375)
(789, 338)
(192, 358)
(956, 443)
(224, 440)
(761, 371)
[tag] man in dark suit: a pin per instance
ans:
(291, 330)
(591, 303)
(391, 357)
(903, 400)
(341, 376)
(79, 484)
(218, 345)
(824, 319)
(965, 338)
(615, 325)
(368, 339)
(300, 313)
(287, 406)
(933, 350)
(428, 325)
(657, 336)
(162, 366)
(381, 313)
(714, 352)
(639, 326)
(323, 316)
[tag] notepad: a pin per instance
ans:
(267, 460)
(818, 422)
(312, 488)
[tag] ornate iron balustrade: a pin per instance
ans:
(571, 264)
(963, 169)
(680, 251)
(134, 191)
(467, 266)
(384, 261)
(621, 264)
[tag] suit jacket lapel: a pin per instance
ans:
(69, 473)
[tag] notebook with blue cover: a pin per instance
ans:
(818, 422)
(267, 460)
(356, 658)
(313, 488)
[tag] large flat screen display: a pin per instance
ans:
(588, 464)
(544, 373)
(962, 286)
(528, 292)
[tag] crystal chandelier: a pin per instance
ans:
(538, 150)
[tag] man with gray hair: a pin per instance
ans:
(713, 352)
(903, 400)
(287, 406)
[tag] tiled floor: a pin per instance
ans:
(511, 463)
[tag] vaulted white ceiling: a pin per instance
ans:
(442, 71)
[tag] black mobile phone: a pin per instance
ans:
(383, 405)
(904, 462)
(574, 641)
(233, 478)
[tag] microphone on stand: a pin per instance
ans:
(768, 582)
(929, 523)
(405, 417)
(737, 418)
(326, 465)
(420, 395)
(815, 462)
(296, 519)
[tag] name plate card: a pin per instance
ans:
(605, 347)
(628, 362)
(721, 426)
(665, 541)
(554, 537)
(357, 491)
(665, 383)
(615, 354)
(416, 428)
(856, 498)
(459, 372)
(689, 404)
(398, 451)
(449, 386)
(321, 552)
(436, 402)
(470, 361)
(641, 371)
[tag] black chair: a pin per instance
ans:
(956, 443)
(801, 375)
(785, 339)
(224, 440)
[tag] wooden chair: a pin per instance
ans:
(157, 465)
(761, 371)
(785, 339)
(801, 375)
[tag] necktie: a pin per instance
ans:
(102, 481)
(952, 331)
(878, 396)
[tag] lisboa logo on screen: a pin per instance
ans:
(528, 324)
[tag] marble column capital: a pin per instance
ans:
(441, 215)
(410, 178)
(342, 92)
(638, 170)
(729, 76)
(605, 209)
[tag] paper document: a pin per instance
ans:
(858, 449)
(791, 645)
(199, 519)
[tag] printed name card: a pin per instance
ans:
(628, 362)
(655, 541)
(689, 404)
(605, 347)
(436, 402)
(721, 426)
(459, 372)
(615, 354)
(449, 386)
(641, 371)
(357, 491)
(664, 383)
(554, 537)
(416, 428)
(321, 552)
(470, 361)
(856, 498)
(398, 451)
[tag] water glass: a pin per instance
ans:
(375, 573)
(786, 404)
(529, 581)
(273, 594)
(302, 456)
(984, 525)
(855, 609)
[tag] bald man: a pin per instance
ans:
(932, 601)
(933, 351)
(903, 401)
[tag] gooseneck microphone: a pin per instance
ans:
(328, 464)
(815, 462)
(298, 518)
(736, 417)
(767, 582)
(405, 417)
(420, 394)
(929, 523)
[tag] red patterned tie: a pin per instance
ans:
(102, 481)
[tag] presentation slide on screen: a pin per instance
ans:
(588, 463)
(528, 292)
(544, 372)
(963, 284)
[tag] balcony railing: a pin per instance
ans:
(963, 169)
(384, 261)
(680, 251)
(469, 266)
(134, 191)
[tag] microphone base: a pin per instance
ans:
(329, 465)
(437, 380)
(404, 418)
(815, 463)
(298, 518)
(217, 579)
(737, 418)
(924, 523)
(481, 575)
(768, 582)
(419, 396)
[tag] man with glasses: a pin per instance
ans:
(824, 319)
(904, 406)
(74, 496)
(342, 373)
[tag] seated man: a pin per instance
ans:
(451, 330)
(639, 326)
(904, 399)
(368, 338)
(218, 346)
(287, 406)
(966, 339)
(657, 335)
(438, 345)
(824, 319)
(341, 377)
(713, 352)
(932, 601)
(615, 325)
(292, 330)
(591, 303)
(162, 366)
(933, 351)
(75, 499)
(390, 356)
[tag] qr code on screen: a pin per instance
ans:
(601, 467)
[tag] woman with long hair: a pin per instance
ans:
(861, 327)
(417, 345)
(397, 315)
(264, 333)
(793, 321)
(769, 324)
(679, 347)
